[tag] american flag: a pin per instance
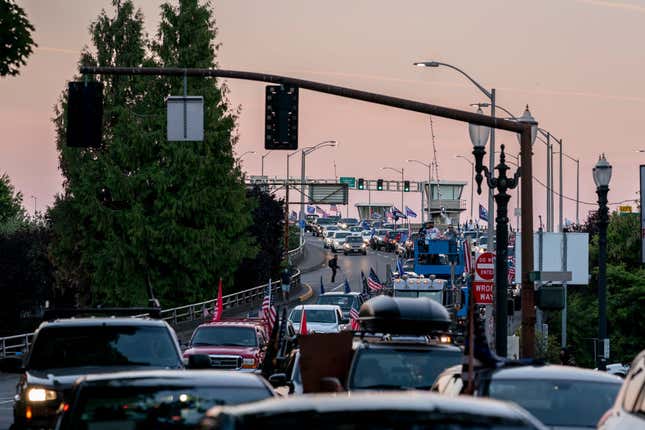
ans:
(321, 211)
(468, 266)
(511, 275)
(268, 310)
(373, 281)
(333, 208)
(353, 316)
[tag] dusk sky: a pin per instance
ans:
(578, 64)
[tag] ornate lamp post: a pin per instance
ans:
(602, 176)
(502, 183)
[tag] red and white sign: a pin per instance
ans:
(485, 266)
(483, 292)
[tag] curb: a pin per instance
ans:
(306, 296)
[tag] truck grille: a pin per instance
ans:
(226, 361)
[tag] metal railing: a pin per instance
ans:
(12, 345)
(295, 254)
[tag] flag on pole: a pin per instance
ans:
(333, 207)
(364, 283)
(347, 288)
(353, 317)
(311, 210)
(321, 211)
(322, 286)
(219, 304)
(397, 213)
(511, 275)
(468, 263)
(269, 313)
(373, 282)
(303, 323)
(293, 216)
(483, 213)
(410, 213)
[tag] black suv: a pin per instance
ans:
(65, 349)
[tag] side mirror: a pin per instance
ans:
(11, 365)
(278, 380)
(199, 361)
(330, 385)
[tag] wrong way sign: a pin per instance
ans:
(483, 292)
(485, 266)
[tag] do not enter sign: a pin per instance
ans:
(485, 266)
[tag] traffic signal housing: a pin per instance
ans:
(281, 117)
(406, 186)
(85, 114)
(379, 184)
(361, 183)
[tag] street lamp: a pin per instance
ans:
(602, 176)
(491, 164)
(429, 166)
(402, 179)
(305, 152)
(239, 159)
(472, 181)
(286, 208)
(263, 157)
(501, 183)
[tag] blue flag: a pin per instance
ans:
(347, 289)
(410, 213)
(483, 213)
(311, 209)
(322, 287)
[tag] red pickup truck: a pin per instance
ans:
(234, 344)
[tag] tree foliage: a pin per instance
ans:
(172, 215)
(15, 37)
(10, 202)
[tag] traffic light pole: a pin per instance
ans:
(528, 312)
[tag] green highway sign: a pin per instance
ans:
(350, 181)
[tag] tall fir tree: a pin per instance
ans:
(142, 211)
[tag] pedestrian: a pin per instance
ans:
(333, 265)
(286, 284)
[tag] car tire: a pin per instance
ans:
(344, 253)
(364, 252)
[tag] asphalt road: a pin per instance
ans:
(349, 268)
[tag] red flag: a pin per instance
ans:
(219, 305)
(303, 323)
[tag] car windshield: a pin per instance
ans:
(400, 368)
(342, 235)
(324, 316)
(155, 407)
(437, 296)
(349, 221)
(345, 302)
(332, 227)
(324, 221)
(354, 239)
(558, 403)
(225, 336)
(103, 345)
(355, 229)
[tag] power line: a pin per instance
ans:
(580, 201)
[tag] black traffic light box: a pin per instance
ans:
(281, 117)
(85, 114)
(361, 183)
(406, 186)
(379, 184)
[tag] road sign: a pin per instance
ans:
(625, 209)
(351, 182)
(328, 194)
(550, 276)
(485, 266)
(483, 292)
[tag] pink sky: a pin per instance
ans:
(578, 64)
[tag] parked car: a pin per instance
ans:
(320, 318)
(559, 396)
(354, 245)
(339, 240)
(628, 411)
(400, 411)
(161, 399)
(65, 349)
(346, 301)
(320, 224)
(231, 344)
(291, 379)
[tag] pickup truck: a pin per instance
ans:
(238, 344)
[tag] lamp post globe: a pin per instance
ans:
(478, 133)
(602, 172)
(527, 118)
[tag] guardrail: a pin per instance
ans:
(297, 253)
(16, 344)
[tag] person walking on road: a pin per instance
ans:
(286, 284)
(333, 265)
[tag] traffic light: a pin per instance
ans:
(281, 117)
(406, 186)
(379, 184)
(85, 114)
(361, 183)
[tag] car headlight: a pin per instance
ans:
(248, 363)
(364, 245)
(347, 245)
(40, 395)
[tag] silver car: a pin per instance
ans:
(329, 238)
(628, 411)
(354, 244)
(339, 240)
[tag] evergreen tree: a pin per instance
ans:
(15, 34)
(10, 202)
(142, 211)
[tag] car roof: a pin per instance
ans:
(104, 321)
(557, 372)
(408, 401)
(338, 293)
(317, 307)
(151, 378)
(401, 344)
(250, 324)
